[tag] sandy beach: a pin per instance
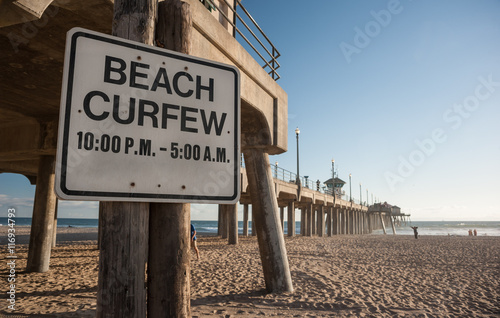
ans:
(344, 276)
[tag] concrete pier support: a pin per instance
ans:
(282, 217)
(265, 212)
(382, 223)
(309, 220)
(245, 220)
(341, 221)
(313, 220)
(303, 221)
(42, 223)
(335, 220)
(392, 225)
(54, 234)
(231, 212)
(254, 232)
(291, 218)
(329, 216)
(223, 222)
(219, 221)
(321, 221)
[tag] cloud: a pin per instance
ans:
(79, 204)
(6, 200)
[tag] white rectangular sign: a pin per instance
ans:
(141, 123)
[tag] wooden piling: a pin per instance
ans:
(125, 225)
(172, 267)
(169, 260)
(267, 224)
(42, 222)
(122, 260)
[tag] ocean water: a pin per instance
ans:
(455, 228)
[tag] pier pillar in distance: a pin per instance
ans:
(42, 223)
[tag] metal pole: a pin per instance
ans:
(333, 181)
(350, 188)
(360, 198)
(297, 132)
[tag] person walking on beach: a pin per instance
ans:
(415, 231)
(193, 241)
(475, 232)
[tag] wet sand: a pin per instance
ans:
(345, 276)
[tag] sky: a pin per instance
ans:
(404, 95)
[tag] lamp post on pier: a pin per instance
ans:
(333, 180)
(297, 132)
(350, 188)
(360, 198)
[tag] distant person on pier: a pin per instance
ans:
(193, 241)
(475, 232)
(415, 231)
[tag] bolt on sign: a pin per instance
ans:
(141, 123)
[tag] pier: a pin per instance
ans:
(33, 38)
(320, 213)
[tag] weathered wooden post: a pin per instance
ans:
(42, 222)
(124, 229)
(291, 218)
(267, 224)
(170, 229)
(122, 260)
(169, 260)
